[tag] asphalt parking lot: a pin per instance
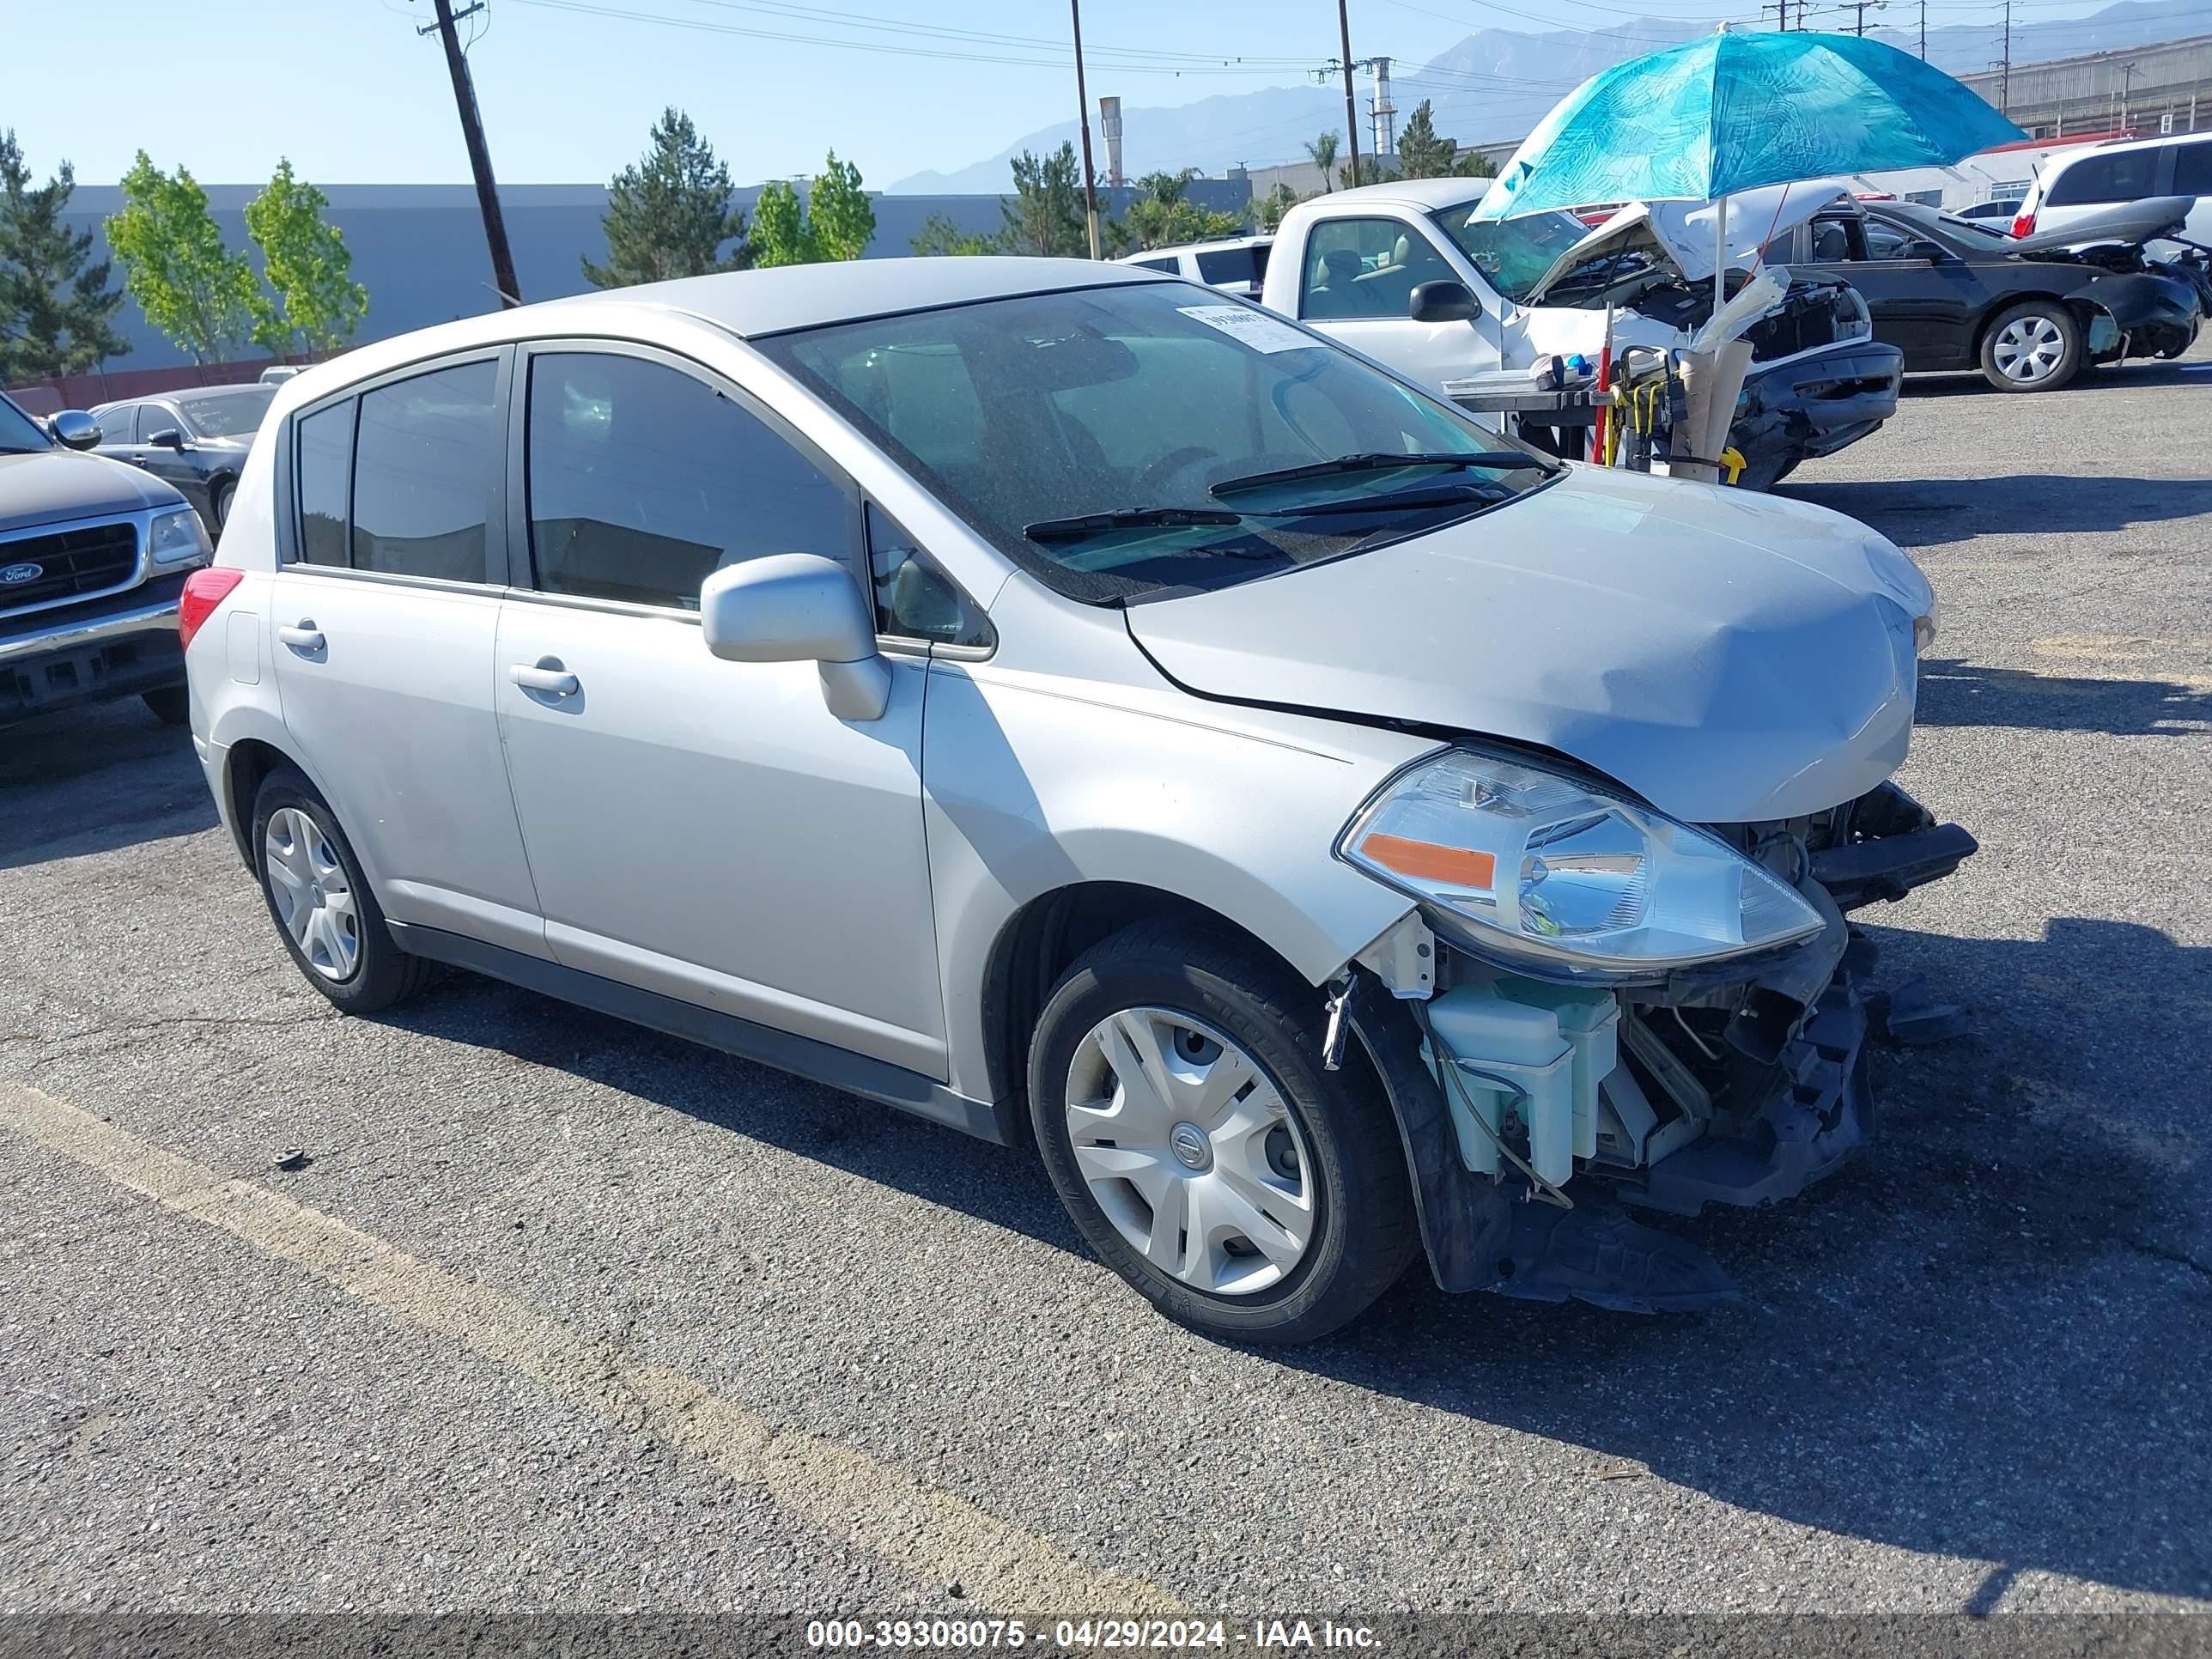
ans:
(562, 1314)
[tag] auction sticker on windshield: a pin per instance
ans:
(1255, 328)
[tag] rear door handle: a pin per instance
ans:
(553, 682)
(304, 637)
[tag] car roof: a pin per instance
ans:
(1220, 243)
(1428, 193)
(2157, 140)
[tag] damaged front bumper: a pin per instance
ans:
(1813, 406)
(1740, 1084)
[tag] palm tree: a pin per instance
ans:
(1323, 151)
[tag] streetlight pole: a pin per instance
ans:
(1083, 115)
(1351, 111)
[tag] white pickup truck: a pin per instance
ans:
(1403, 272)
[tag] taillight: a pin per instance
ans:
(2024, 225)
(203, 589)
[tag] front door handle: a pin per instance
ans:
(303, 637)
(553, 680)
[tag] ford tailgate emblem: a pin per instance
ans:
(15, 576)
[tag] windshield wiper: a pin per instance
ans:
(1396, 501)
(1075, 528)
(1490, 459)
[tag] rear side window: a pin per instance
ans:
(2192, 169)
(1167, 265)
(2121, 176)
(1232, 264)
(425, 461)
(322, 462)
(643, 480)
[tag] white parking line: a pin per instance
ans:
(843, 1491)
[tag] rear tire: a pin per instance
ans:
(1269, 1202)
(332, 925)
(2034, 346)
(171, 705)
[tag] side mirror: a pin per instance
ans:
(73, 429)
(167, 438)
(1442, 302)
(800, 607)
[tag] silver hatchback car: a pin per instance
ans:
(1080, 706)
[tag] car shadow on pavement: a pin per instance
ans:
(1987, 1340)
(1935, 512)
(107, 776)
(2128, 377)
(1957, 693)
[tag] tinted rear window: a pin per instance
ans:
(2121, 176)
(2192, 169)
(424, 467)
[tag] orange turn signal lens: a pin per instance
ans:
(1424, 861)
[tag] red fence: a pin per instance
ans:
(83, 390)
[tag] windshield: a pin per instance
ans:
(18, 431)
(232, 415)
(1513, 254)
(1117, 442)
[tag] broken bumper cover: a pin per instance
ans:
(1816, 404)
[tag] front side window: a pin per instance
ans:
(1120, 442)
(915, 600)
(18, 434)
(426, 461)
(2121, 176)
(322, 462)
(1887, 241)
(1366, 268)
(643, 479)
(115, 424)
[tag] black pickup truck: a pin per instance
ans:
(92, 555)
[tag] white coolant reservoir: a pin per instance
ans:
(1531, 1072)
(1590, 1019)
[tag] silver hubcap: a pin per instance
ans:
(2028, 349)
(312, 900)
(1190, 1151)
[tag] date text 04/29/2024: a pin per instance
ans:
(1087, 1635)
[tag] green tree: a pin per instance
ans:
(1322, 149)
(1163, 214)
(939, 235)
(191, 287)
(1269, 209)
(781, 235)
(1421, 154)
(669, 213)
(314, 305)
(1370, 173)
(55, 304)
(835, 221)
(843, 219)
(1046, 214)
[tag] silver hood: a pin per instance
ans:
(50, 485)
(1730, 657)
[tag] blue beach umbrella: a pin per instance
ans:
(1734, 111)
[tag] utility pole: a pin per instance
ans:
(465, 97)
(2128, 73)
(1083, 114)
(1924, 31)
(1862, 7)
(2004, 86)
(1351, 111)
(1781, 11)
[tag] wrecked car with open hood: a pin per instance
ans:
(1086, 710)
(1546, 285)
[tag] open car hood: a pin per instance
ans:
(1676, 238)
(2130, 222)
(1732, 658)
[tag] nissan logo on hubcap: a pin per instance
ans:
(1190, 1146)
(15, 576)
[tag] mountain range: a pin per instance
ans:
(1496, 84)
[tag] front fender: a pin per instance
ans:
(1027, 790)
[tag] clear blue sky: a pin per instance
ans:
(347, 90)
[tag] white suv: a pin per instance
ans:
(2074, 183)
(1076, 705)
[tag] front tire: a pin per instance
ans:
(332, 925)
(2034, 346)
(219, 506)
(1180, 1103)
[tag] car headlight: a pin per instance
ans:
(1551, 876)
(179, 535)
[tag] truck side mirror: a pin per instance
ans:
(1442, 302)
